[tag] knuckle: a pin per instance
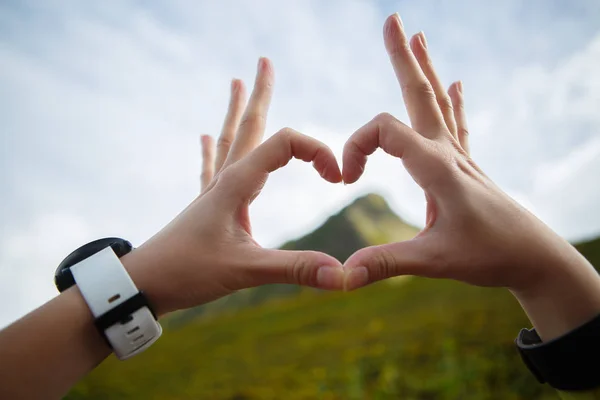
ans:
(385, 121)
(459, 105)
(285, 134)
(463, 132)
(421, 88)
(385, 263)
(353, 148)
(445, 103)
(401, 49)
(384, 118)
(224, 142)
(252, 121)
(284, 140)
(299, 273)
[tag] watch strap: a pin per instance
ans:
(63, 278)
(569, 362)
(122, 313)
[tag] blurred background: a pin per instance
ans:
(101, 108)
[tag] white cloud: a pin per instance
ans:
(102, 104)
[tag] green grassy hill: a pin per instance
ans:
(413, 339)
(591, 250)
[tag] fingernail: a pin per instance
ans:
(261, 63)
(234, 85)
(330, 278)
(423, 39)
(355, 278)
(459, 86)
(397, 15)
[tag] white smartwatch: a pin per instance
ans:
(122, 313)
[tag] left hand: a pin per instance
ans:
(208, 251)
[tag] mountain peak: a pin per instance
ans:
(373, 205)
(370, 201)
(367, 221)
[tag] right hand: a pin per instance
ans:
(474, 232)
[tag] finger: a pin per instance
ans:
(208, 161)
(372, 264)
(456, 95)
(237, 103)
(252, 126)
(423, 111)
(247, 176)
(385, 131)
(306, 268)
(418, 44)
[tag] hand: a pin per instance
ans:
(208, 251)
(474, 232)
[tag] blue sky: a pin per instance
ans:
(102, 103)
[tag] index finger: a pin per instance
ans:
(419, 97)
(385, 132)
(251, 172)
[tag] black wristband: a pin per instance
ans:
(570, 362)
(122, 313)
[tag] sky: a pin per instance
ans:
(102, 105)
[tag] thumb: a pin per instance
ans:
(306, 268)
(375, 263)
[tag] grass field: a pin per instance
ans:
(407, 338)
(417, 339)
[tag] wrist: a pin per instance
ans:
(145, 269)
(122, 314)
(564, 295)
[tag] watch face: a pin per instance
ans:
(63, 278)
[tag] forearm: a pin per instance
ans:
(50, 349)
(46, 352)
